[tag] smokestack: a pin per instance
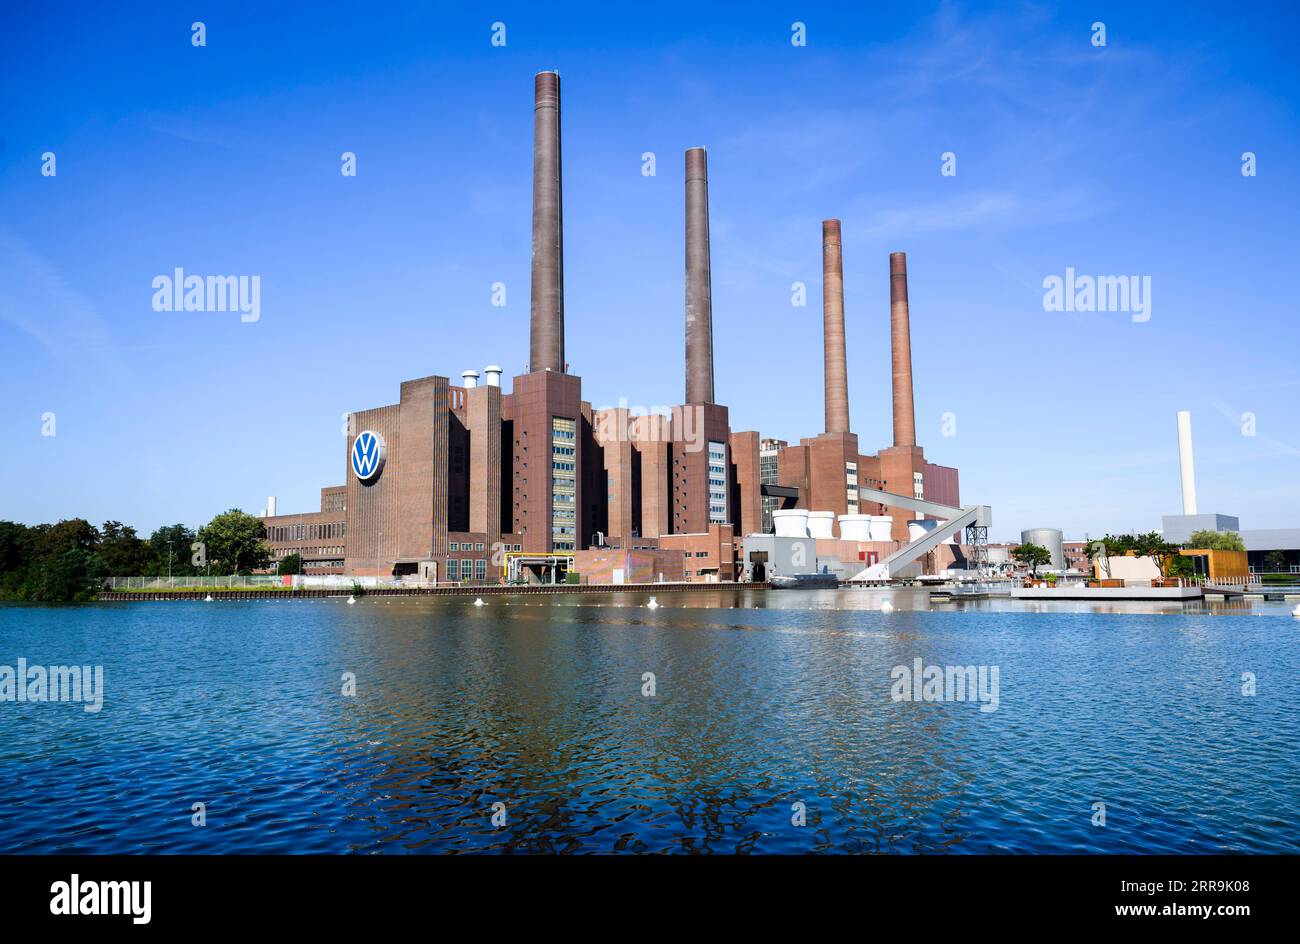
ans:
(270, 506)
(547, 347)
(900, 335)
(1185, 464)
(493, 375)
(699, 299)
(469, 379)
(837, 367)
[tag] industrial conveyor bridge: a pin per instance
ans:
(975, 520)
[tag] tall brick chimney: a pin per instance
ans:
(836, 362)
(547, 325)
(901, 345)
(699, 301)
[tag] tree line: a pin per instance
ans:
(71, 559)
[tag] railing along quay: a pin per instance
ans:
(218, 594)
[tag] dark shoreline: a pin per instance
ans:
(219, 594)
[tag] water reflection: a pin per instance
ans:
(762, 700)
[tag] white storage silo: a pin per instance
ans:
(790, 522)
(1049, 538)
(855, 528)
(882, 528)
(821, 524)
(920, 527)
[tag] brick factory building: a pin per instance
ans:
(466, 482)
(317, 536)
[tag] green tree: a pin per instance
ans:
(1180, 566)
(171, 545)
(72, 576)
(1275, 562)
(1032, 556)
(1117, 545)
(17, 547)
(1153, 545)
(234, 543)
(64, 565)
(68, 535)
(1215, 541)
(290, 564)
(123, 553)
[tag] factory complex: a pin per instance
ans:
(465, 481)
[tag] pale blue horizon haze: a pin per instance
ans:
(225, 160)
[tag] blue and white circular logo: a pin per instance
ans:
(368, 454)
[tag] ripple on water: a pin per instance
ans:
(760, 710)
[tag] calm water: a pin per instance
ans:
(762, 701)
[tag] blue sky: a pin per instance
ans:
(1122, 160)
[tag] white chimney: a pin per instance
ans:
(492, 374)
(469, 379)
(1185, 464)
(270, 507)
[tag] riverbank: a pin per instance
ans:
(276, 593)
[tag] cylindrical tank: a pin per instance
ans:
(882, 528)
(1049, 538)
(923, 526)
(790, 522)
(855, 528)
(920, 527)
(821, 524)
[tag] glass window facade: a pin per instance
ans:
(717, 482)
(767, 475)
(564, 484)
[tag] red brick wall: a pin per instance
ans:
(693, 426)
(323, 538)
(597, 565)
(717, 545)
(372, 514)
(897, 465)
(537, 398)
(941, 484)
(746, 502)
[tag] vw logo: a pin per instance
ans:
(368, 453)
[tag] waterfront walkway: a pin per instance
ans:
(449, 591)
